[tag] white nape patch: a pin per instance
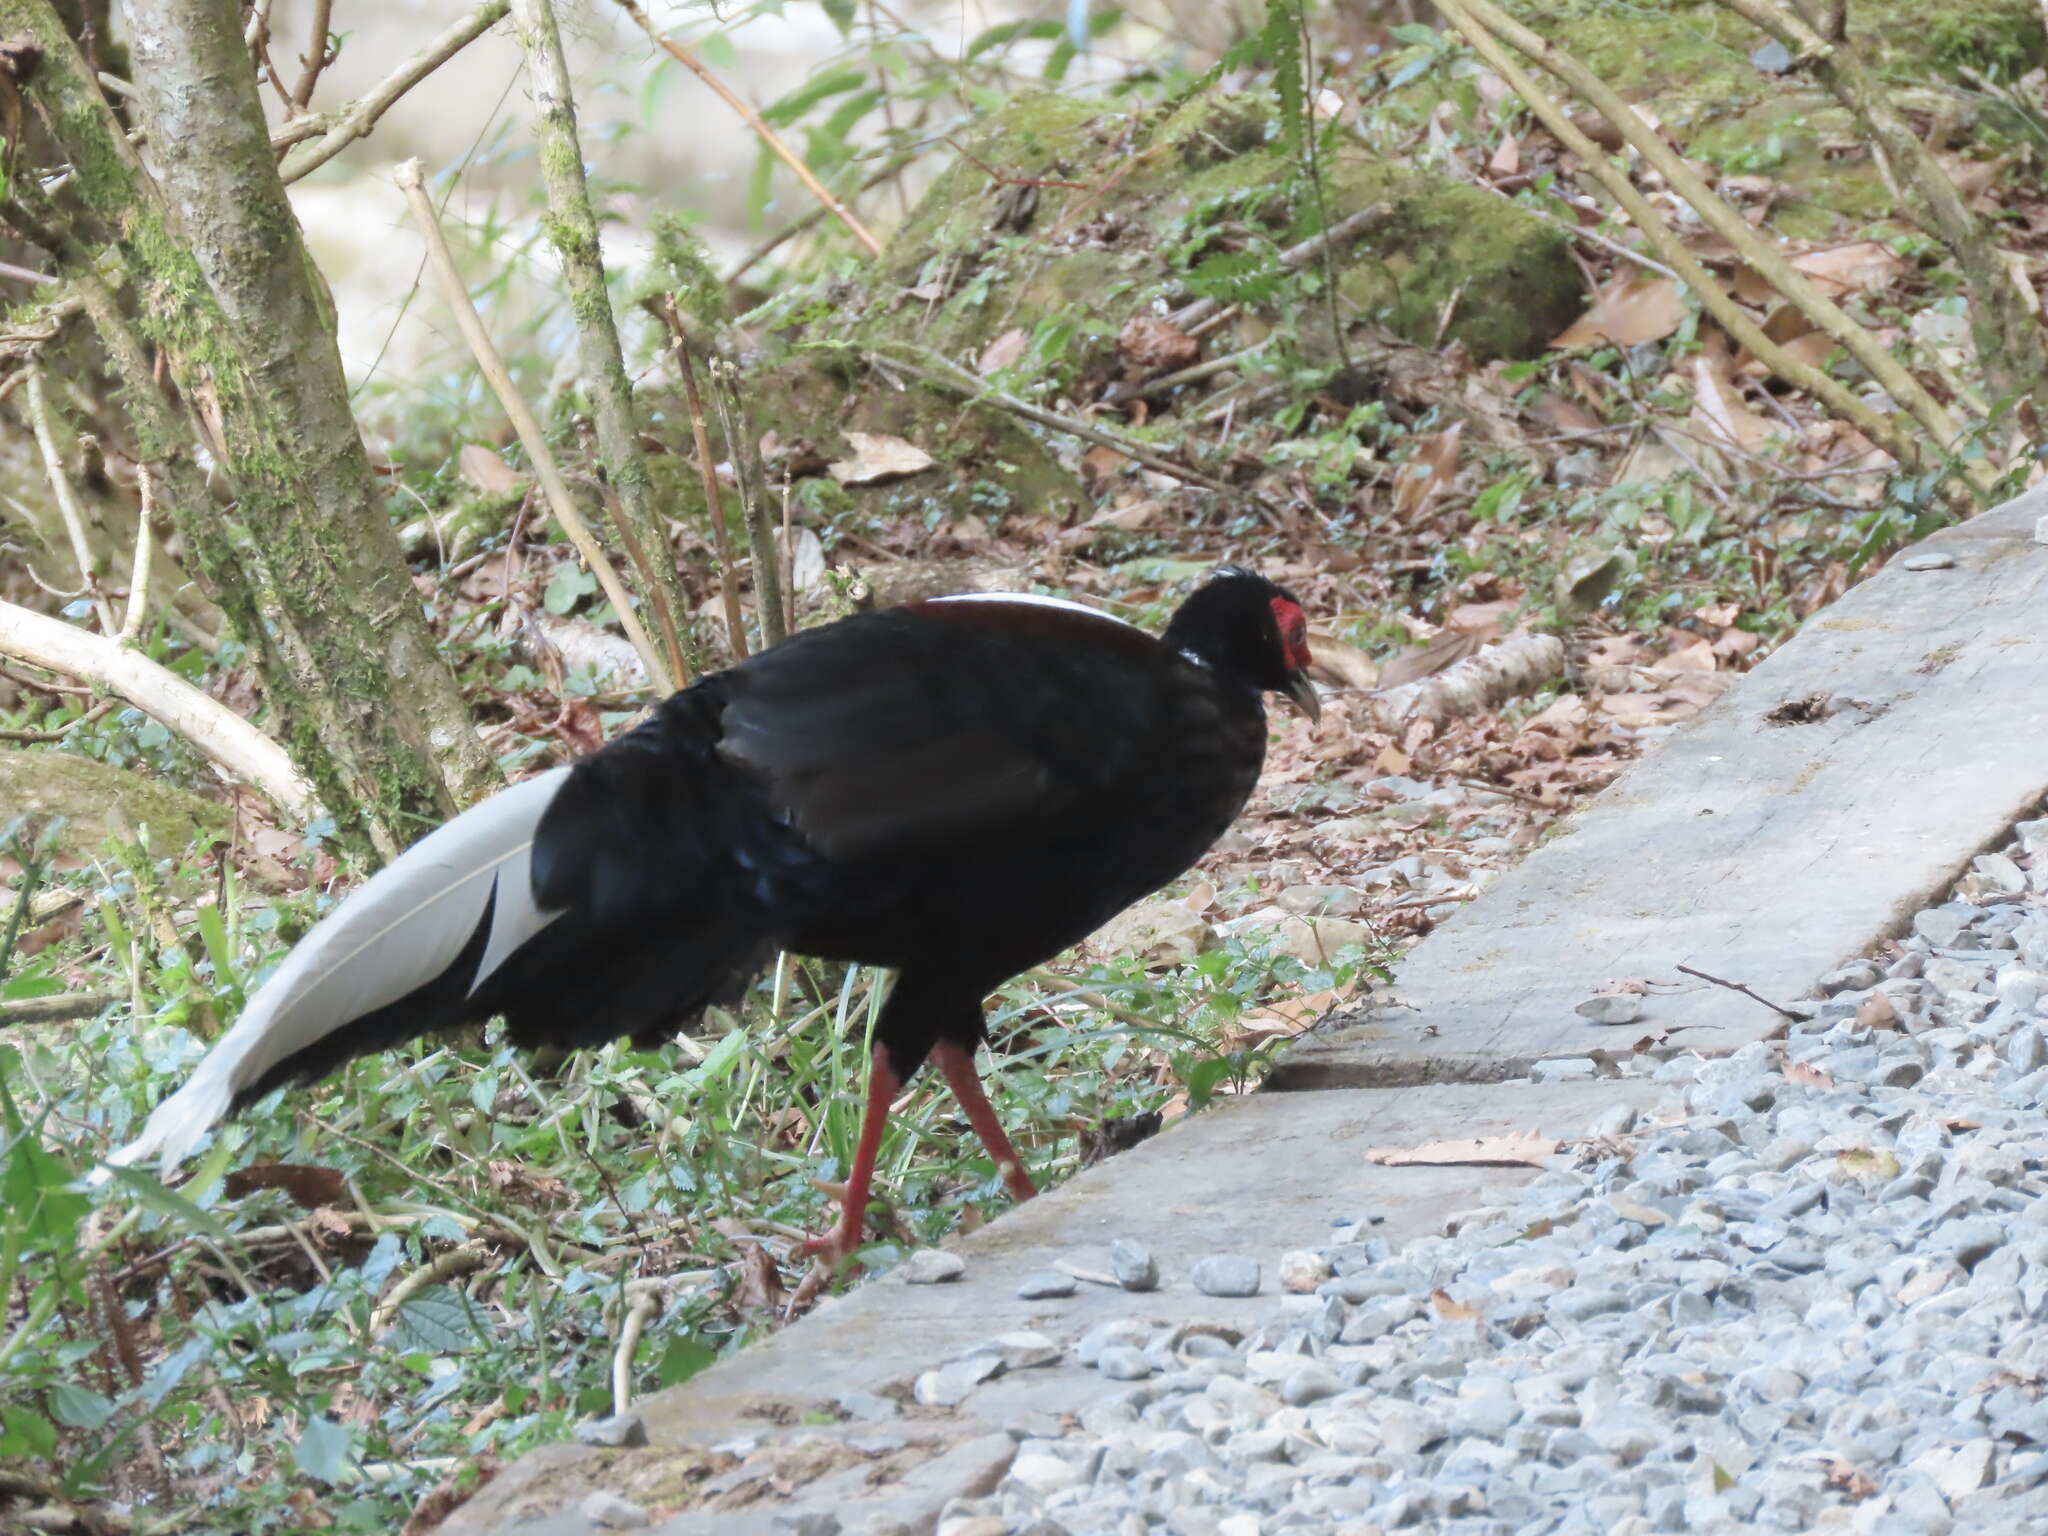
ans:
(1032, 599)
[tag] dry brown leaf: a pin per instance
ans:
(878, 456)
(1877, 1011)
(306, 1185)
(1563, 712)
(1341, 664)
(1447, 650)
(1630, 1210)
(1695, 656)
(1516, 1149)
(1392, 760)
(1862, 266)
(482, 468)
(1448, 1306)
(1506, 159)
(1428, 470)
(1562, 415)
(1807, 1075)
(1719, 409)
(1482, 619)
(1003, 351)
(1154, 343)
(1632, 309)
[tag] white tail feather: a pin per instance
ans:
(399, 930)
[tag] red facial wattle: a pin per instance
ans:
(1293, 626)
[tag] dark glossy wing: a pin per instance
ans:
(915, 729)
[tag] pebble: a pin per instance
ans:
(1133, 1265)
(950, 1385)
(613, 1512)
(1303, 1270)
(1120, 1362)
(1611, 1008)
(622, 1430)
(1928, 560)
(1046, 1285)
(932, 1266)
(1227, 1275)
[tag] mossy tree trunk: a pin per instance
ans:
(218, 279)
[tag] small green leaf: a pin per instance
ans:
(323, 1449)
(435, 1319)
(567, 587)
(683, 1358)
(78, 1407)
(23, 1433)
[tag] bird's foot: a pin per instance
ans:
(833, 1249)
(831, 1255)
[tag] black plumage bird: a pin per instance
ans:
(958, 789)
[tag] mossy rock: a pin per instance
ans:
(98, 801)
(1690, 62)
(1099, 210)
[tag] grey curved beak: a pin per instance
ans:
(1303, 693)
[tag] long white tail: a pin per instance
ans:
(397, 932)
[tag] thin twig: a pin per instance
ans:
(356, 119)
(316, 58)
(1735, 986)
(56, 1010)
(145, 542)
(1335, 238)
(757, 123)
(25, 274)
(743, 449)
(531, 438)
(707, 468)
(67, 499)
(978, 391)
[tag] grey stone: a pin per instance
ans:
(1308, 1384)
(1120, 1362)
(1928, 560)
(1610, 1008)
(870, 1407)
(950, 1385)
(1046, 1285)
(1227, 1275)
(613, 1512)
(1940, 926)
(932, 1266)
(621, 1430)
(1133, 1265)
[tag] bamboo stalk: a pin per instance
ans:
(714, 504)
(531, 437)
(573, 232)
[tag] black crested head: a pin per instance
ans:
(1250, 630)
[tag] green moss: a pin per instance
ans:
(97, 800)
(1114, 190)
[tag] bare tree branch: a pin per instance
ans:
(224, 736)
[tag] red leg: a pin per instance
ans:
(958, 1065)
(837, 1246)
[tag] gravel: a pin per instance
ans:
(1809, 1290)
